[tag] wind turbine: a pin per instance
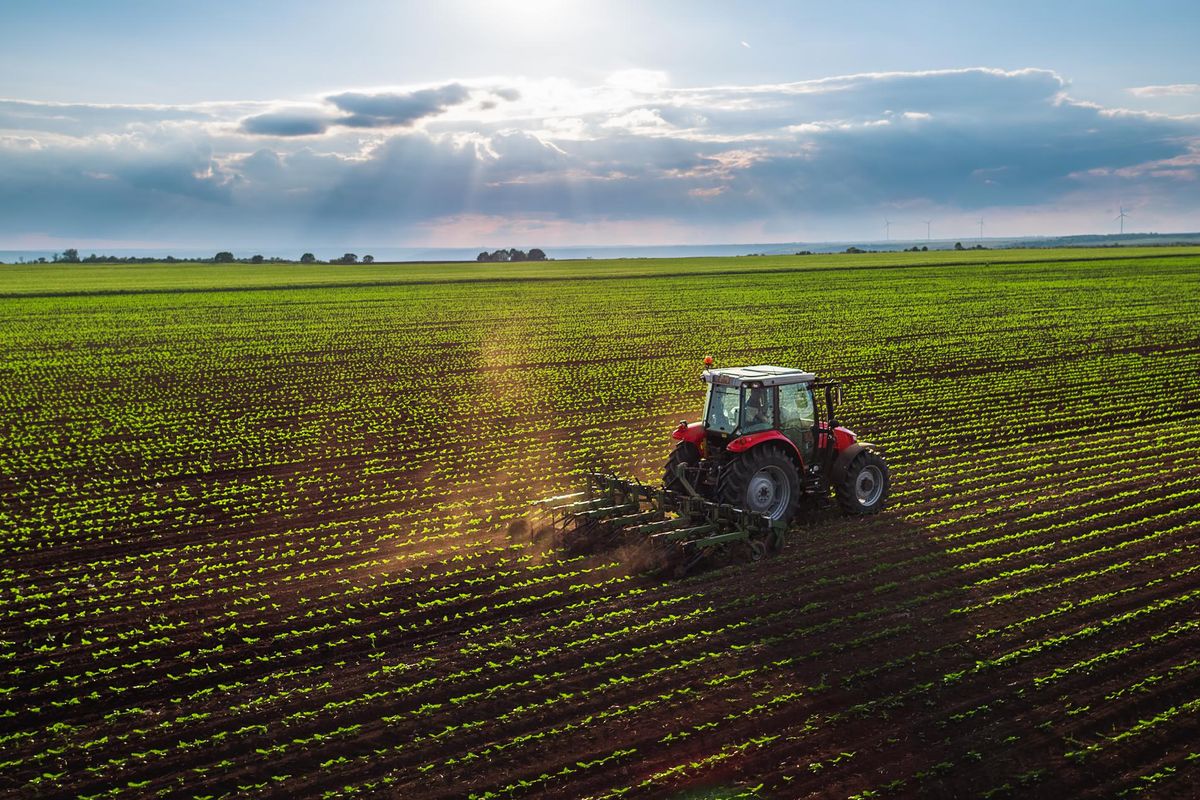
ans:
(981, 230)
(928, 222)
(887, 227)
(1121, 217)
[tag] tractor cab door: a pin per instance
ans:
(758, 409)
(798, 418)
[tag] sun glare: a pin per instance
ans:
(527, 17)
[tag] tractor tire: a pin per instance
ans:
(687, 454)
(864, 487)
(764, 480)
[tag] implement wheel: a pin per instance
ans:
(764, 480)
(864, 488)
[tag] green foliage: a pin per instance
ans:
(255, 523)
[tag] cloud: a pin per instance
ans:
(384, 110)
(287, 123)
(76, 119)
(633, 156)
(639, 120)
(368, 110)
(1167, 90)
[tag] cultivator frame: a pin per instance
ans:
(682, 529)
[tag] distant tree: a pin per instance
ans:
(68, 256)
(511, 254)
(924, 248)
(223, 257)
(256, 259)
(348, 258)
(308, 258)
(368, 259)
(958, 246)
(855, 250)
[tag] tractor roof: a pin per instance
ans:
(762, 375)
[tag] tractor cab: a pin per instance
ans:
(753, 400)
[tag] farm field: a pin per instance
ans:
(255, 525)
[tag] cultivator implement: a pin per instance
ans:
(674, 531)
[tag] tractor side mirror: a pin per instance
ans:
(837, 395)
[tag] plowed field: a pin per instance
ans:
(256, 532)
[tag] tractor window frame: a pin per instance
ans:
(799, 428)
(772, 420)
(807, 390)
(717, 422)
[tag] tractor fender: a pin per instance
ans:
(845, 457)
(744, 443)
(693, 433)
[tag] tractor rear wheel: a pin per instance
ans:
(764, 480)
(864, 487)
(685, 454)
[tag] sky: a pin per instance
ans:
(462, 123)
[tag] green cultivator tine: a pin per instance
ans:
(683, 534)
(609, 511)
(664, 525)
(721, 538)
(580, 505)
(637, 519)
(549, 501)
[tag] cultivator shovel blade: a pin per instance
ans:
(672, 531)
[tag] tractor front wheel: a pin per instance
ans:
(864, 487)
(763, 480)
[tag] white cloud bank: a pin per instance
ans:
(630, 160)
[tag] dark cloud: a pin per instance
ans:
(286, 123)
(362, 110)
(141, 189)
(389, 110)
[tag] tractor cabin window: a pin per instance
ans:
(798, 417)
(758, 413)
(723, 404)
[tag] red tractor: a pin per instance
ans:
(736, 478)
(764, 445)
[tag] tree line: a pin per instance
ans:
(71, 256)
(514, 254)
